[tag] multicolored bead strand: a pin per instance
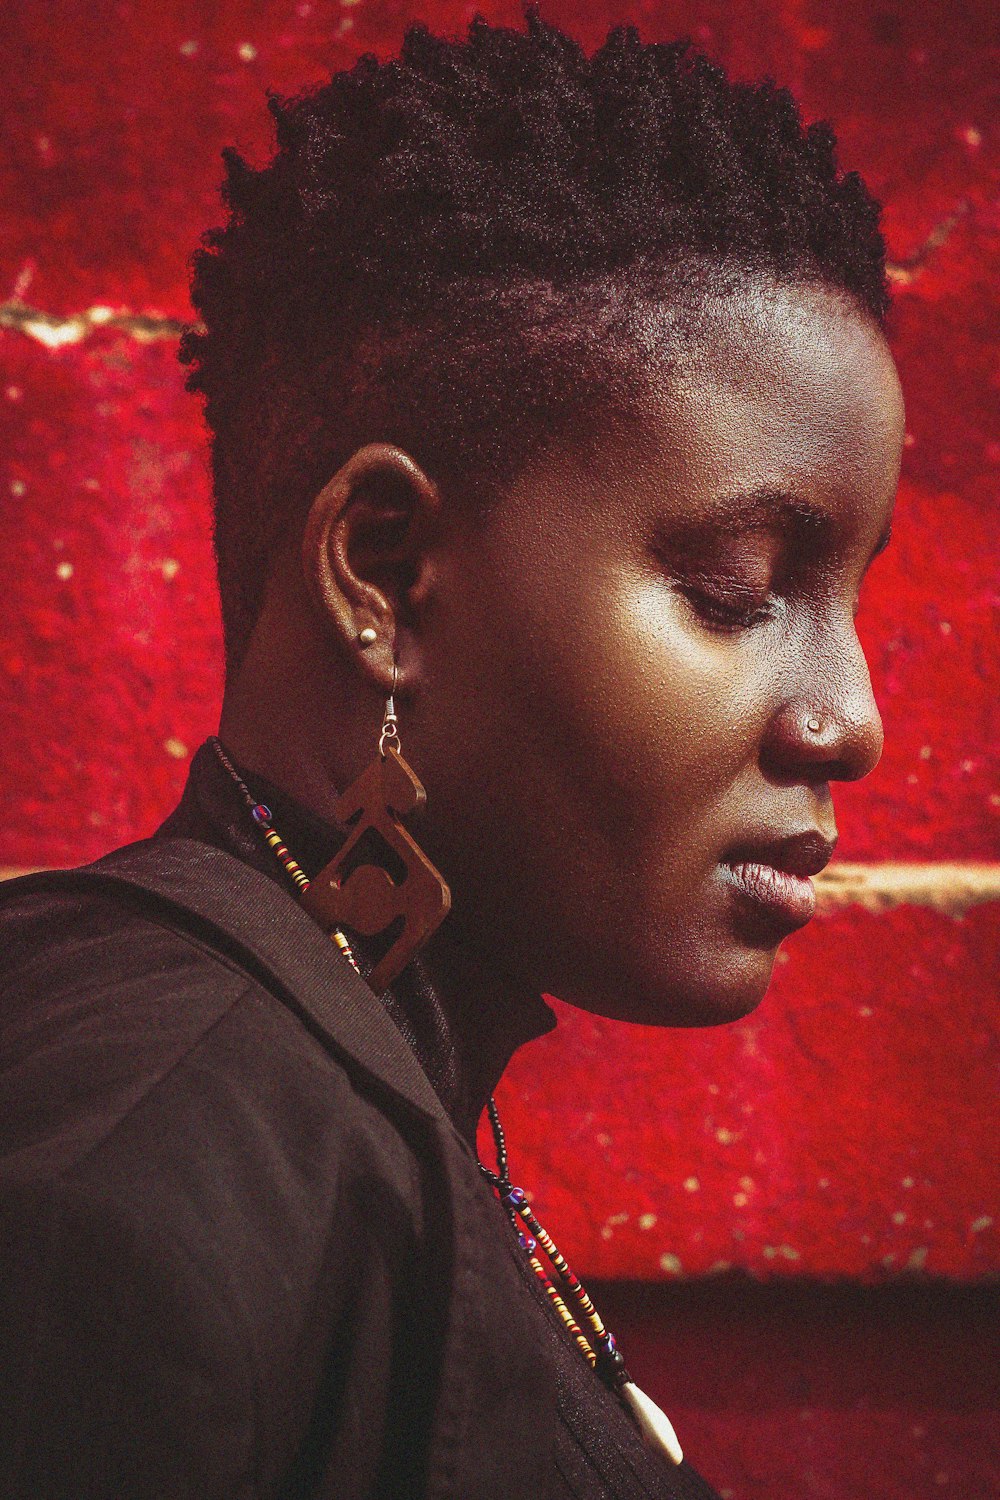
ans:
(656, 1428)
(605, 1357)
(262, 817)
(597, 1345)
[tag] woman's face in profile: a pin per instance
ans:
(660, 646)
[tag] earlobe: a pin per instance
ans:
(356, 549)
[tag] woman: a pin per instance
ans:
(554, 429)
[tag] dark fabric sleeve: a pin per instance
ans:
(123, 1373)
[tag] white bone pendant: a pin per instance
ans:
(654, 1424)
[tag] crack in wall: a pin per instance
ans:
(55, 332)
(905, 272)
(950, 888)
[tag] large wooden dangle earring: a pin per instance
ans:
(381, 884)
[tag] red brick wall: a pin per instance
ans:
(846, 1129)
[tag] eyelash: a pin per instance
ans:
(722, 616)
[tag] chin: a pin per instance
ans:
(713, 991)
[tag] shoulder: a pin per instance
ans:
(181, 1153)
(198, 1201)
(130, 1046)
(62, 942)
(97, 1003)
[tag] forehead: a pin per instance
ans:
(787, 388)
(774, 391)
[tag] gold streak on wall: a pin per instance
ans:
(950, 888)
(54, 332)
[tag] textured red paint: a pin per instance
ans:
(928, 623)
(824, 1134)
(109, 648)
(841, 1131)
(115, 112)
(831, 1393)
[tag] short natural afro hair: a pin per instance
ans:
(417, 264)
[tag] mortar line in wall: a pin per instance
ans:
(54, 331)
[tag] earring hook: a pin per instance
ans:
(390, 730)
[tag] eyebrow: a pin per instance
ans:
(748, 509)
(757, 509)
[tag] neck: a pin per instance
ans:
(487, 1014)
(464, 1016)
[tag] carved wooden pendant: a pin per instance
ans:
(355, 891)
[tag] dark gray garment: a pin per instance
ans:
(245, 1252)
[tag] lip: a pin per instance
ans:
(771, 873)
(789, 898)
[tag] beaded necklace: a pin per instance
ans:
(597, 1344)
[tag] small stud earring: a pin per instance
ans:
(813, 726)
(368, 636)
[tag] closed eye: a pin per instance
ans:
(732, 609)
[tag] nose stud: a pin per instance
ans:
(813, 725)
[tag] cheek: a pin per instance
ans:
(644, 742)
(661, 711)
(609, 723)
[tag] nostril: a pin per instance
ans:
(822, 743)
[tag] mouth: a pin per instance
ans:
(770, 877)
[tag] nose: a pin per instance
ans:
(829, 728)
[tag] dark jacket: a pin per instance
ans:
(245, 1253)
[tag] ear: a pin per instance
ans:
(363, 552)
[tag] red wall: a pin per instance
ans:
(845, 1131)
